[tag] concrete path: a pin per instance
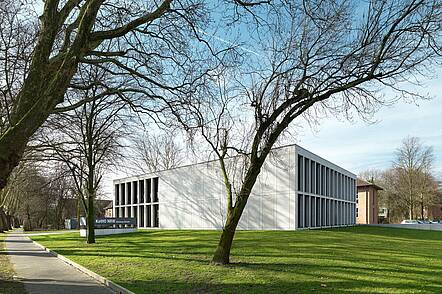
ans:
(42, 272)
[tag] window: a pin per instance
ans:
(306, 175)
(156, 217)
(155, 190)
(148, 190)
(149, 216)
(141, 185)
(312, 212)
(327, 181)
(135, 191)
(117, 194)
(300, 173)
(135, 214)
(300, 211)
(322, 180)
(141, 224)
(123, 193)
(312, 177)
(129, 193)
(318, 212)
(318, 178)
(306, 211)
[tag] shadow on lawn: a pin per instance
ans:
(320, 286)
(350, 260)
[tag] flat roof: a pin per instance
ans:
(214, 160)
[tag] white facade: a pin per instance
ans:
(295, 189)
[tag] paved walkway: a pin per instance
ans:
(41, 272)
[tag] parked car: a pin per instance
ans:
(410, 222)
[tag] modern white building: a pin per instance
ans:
(296, 189)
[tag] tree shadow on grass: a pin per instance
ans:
(320, 286)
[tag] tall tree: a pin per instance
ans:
(411, 174)
(87, 139)
(40, 56)
(315, 58)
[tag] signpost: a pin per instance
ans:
(110, 226)
(113, 222)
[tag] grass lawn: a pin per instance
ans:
(7, 284)
(348, 260)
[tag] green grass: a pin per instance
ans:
(350, 260)
(7, 283)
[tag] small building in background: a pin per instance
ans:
(109, 210)
(367, 202)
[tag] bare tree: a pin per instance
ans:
(315, 58)
(87, 140)
(149, 42)
(154, 152)
(411, 174)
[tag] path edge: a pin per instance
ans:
(114, 286)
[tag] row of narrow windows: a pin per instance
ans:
(147, 216)
(318, 179)
(142, 191)
(322, 212)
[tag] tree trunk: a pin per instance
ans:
(222, 252)
(9, 220)
(2, 225)
(4, 220)
(78, 212)
(90, 220)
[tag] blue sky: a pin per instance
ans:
(358, 145)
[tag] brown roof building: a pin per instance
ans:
(367, 202)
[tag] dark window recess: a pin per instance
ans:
(129, 213)
(318, 212)
(141, 224)
(149, 190)
(306, 175)
(135, 188)
(155, 190)
(141, 185)
(312, 177)
(300, 211)
(129, 193)
(328, 212)
(300, 171)
(123, 212)
(135, 215)
(323, 213)
(318, 179)
(123, 193)
(306, 211)
(312, 212)
(117, 212)
(117, 194)
(336, 213)
(149, 216)
(156, 216)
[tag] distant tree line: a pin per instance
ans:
(411, 188)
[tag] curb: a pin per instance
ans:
(114, 286)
